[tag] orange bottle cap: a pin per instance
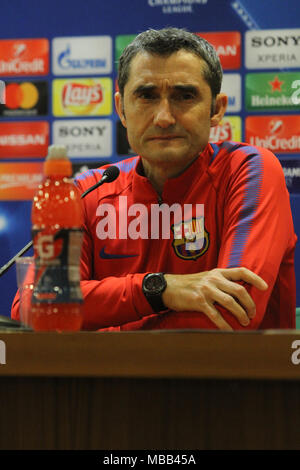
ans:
(57, 162)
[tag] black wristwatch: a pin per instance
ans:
(153, 286)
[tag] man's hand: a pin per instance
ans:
(198, 292)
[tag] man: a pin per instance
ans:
(225, 263)
(242, 276)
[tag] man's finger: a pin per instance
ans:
(229, 302)
(212, 313)
(240, 294)
(244, 274)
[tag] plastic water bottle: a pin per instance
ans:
(57, 239)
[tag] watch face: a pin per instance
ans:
(153, 283)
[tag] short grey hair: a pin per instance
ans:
(165, 42)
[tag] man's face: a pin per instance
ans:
(166, 108)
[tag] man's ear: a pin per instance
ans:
(220, 109)
(120, 107)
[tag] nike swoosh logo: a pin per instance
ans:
(105, 255)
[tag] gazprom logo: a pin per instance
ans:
(65, 61)
(82, 55)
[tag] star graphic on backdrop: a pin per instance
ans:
(276, 84)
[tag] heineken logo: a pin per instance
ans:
(276, 84)
(273, 91)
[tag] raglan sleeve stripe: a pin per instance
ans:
(250, 201)
(257, 229)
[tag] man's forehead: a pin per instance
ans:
(148, 59)
(178, 67)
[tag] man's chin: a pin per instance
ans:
(164, 152)
(164, 157)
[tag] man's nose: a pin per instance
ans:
(163, 116)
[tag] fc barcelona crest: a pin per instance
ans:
(191, 239)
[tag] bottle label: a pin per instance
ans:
(57, 272)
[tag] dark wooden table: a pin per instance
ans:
(149, 390)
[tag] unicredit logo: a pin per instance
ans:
(16, 66)
(74, 94)
(277, 133)
(24, 57)
(19, 49)
(276, 126)
(274, 143)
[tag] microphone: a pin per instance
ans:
(109, 175)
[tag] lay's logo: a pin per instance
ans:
(76, 94)
(229, 128)
(82, 97)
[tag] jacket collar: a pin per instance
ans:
(175, 189)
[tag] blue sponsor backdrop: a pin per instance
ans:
(50, 19)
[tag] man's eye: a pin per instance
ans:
(147, 95)
(187, 96)
(183, 96)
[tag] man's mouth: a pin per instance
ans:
(165, 137)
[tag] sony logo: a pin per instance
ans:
(271, 41)
(78, 131)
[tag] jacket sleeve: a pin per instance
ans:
(109, 302)
(258, 230)
(112, 301)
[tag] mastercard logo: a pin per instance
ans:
(21, 95)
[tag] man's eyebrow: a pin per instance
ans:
(143, 88)
(187, 88)
(150, 87)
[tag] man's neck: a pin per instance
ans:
(159, 174)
